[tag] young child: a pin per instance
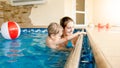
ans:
(55, 40)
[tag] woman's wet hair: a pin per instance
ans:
(65, 20)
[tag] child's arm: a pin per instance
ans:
(51, 43)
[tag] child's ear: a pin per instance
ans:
(52, 36)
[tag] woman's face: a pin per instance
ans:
(69, 28)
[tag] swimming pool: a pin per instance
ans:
(29, 50)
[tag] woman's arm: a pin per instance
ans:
(74, 40)
(64, 49)
(75, 35)
(64, 39)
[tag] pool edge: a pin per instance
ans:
(74, 58)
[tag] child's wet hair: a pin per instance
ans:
(54, 28)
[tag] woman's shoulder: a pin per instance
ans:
(74, 40)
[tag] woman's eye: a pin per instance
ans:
(68, 27)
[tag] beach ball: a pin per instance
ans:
(10, 30)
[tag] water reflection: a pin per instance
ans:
(12, 50)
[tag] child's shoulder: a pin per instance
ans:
(48, 40)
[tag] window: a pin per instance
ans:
(80, 12)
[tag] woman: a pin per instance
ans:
(68, 28)
(54, 39)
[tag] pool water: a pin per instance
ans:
(29, 50)
(87, 59)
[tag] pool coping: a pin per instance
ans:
(100, 59)
(74, 57)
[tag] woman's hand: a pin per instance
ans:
(83, 33)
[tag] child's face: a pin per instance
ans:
(58, 36)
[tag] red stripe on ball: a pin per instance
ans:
(13, 30)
